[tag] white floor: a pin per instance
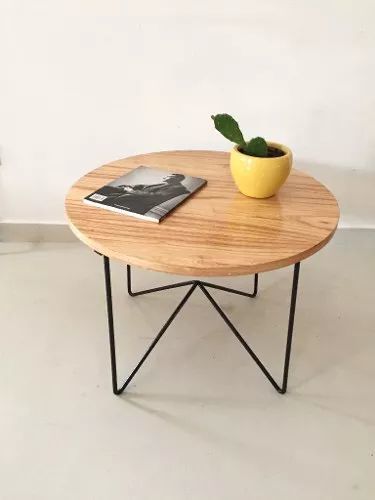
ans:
(200, 421)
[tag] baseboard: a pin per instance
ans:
(59, 233)
(35, 233)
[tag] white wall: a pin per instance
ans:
(87, 81)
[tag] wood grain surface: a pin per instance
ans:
(217, 231)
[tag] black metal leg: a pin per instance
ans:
(283, 388)
(107, 273)
(203, 285)
(108, 290)
(292, 311)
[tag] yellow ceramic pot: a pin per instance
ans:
(260, 177)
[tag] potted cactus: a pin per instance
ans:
(259, 168)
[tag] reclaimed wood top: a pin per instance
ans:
(217, 231)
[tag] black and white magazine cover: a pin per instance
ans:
(145, 192)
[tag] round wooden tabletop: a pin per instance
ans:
(217, 231)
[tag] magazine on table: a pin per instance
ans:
(146, 193)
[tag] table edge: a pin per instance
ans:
(200, 272)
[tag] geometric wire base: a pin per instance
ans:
(204, 286)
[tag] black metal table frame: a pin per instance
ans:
(203, 285)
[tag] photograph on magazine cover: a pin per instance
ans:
(147, 191)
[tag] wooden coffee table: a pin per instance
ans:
(216, 232)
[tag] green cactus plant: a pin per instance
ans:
(230, 129)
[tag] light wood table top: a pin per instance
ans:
(217, 231)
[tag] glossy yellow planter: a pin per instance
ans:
(260, 177)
